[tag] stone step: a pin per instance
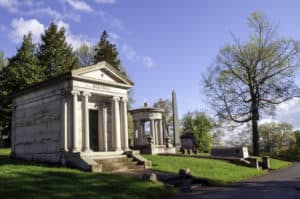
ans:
(111, 160)
(120, 163)
(136, 167)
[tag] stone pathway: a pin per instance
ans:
(279, 184)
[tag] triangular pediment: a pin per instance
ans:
(102, 72)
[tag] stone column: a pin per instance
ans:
(85, 120)
(75, 147)
(160, 127)
(156, 132)
(69, 113)
(142, 132)
(100, 128)
(64, 122)
(152, 129)
(137, 132)
(117, 128)
(104, 126)
(125, 123)
(13, 128)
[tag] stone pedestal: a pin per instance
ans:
(168, 142)
(266, 162)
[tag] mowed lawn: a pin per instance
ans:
(19, 179)
(218, 172)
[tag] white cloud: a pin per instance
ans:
(75, 40)
(10, 5)
(49, 12)
(148, 62)
(288, 111)
(110, 20)
(21, 27)
(129, 53)
(106, 1)
(79, 5)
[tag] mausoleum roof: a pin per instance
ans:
(147, 109)
(102, 73)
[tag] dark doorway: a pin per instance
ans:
(93, 117)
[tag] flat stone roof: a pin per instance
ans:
(147, 110)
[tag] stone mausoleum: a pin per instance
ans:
(156, 140)
(77, 119)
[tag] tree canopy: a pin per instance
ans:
(275, 135)
(85, 54)
(54, 53)
(201, 125)
(252, 77)
(22, 70)
(166, 105)
(106, 51)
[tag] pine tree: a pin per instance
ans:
(22, 71)
(106, 51)
(23, 68)
(54, 53)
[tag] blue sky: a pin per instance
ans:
(164, 45)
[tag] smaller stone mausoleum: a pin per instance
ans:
(76, 118)
(156, 141)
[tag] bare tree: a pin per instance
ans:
(253, 77)
(85, 55)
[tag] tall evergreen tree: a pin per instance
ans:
(22, 70)
(106, 51)
(54, 53)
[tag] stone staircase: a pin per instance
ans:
(119, 163)
(108, 162)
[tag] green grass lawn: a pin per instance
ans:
(19, 179)
(216, 171)
(279, 164)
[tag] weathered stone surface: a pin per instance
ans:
(155, 142)
(185, 172)
(175, 122)
(51, 120)
(266, 162)
(240, 152)
(254, 162)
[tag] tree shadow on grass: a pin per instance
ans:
(23, 179)
(61, 184)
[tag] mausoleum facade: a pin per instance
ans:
(72, 118)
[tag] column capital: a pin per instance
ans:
(86, 94)
(75, 92)
(115, 98)
(124, 99)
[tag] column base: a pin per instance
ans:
(86, 150)
(75, 150)
(118, 149)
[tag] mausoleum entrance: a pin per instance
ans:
(94, 129)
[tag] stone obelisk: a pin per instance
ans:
(176, 136)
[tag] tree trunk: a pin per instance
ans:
(255, 133)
